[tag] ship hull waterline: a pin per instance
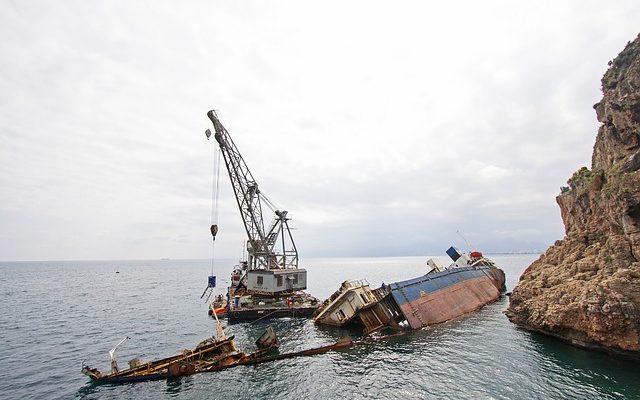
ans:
(252, 314)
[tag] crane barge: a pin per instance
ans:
(269, 283)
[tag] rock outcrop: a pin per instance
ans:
(586, 288)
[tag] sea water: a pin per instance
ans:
(58, 314)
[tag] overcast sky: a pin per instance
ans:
(382, 127)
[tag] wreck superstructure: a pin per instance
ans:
(356, 300)
(438, 296)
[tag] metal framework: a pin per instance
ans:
(261, 245)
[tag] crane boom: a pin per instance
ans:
(261, 243)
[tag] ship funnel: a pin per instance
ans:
(453, 253)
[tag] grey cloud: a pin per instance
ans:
(400, 128)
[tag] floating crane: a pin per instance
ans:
(271, 268)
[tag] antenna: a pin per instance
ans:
(469, 247)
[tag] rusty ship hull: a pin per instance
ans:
(440, 296)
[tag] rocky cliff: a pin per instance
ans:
(586, 288)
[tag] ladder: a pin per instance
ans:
(414, 311)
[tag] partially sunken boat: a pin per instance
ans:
(210, 353)
(438, 296)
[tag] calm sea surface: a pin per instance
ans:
(57, 314)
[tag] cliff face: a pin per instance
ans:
(586, 287)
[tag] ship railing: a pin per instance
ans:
(355, 283)
(381, 292)
(483, 262)
(346, 285)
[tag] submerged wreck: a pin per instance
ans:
(208, 354)
(442, 294)
(211, 355)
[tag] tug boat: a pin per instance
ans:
(218, 307)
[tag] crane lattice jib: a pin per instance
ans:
(247, 195)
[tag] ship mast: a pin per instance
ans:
(264, 251)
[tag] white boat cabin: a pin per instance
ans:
(344, 304)
(276, 281)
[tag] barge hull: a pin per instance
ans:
(252, 314)
(441, 296)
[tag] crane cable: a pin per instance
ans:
(214, 200)
(269, 203)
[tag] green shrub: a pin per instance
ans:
(581, 178)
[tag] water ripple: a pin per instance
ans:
(58, 314)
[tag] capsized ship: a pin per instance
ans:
(444, 293)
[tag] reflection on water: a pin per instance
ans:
(599, 371)
(87, 391)
(175, 386)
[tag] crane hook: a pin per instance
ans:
(214, 231)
